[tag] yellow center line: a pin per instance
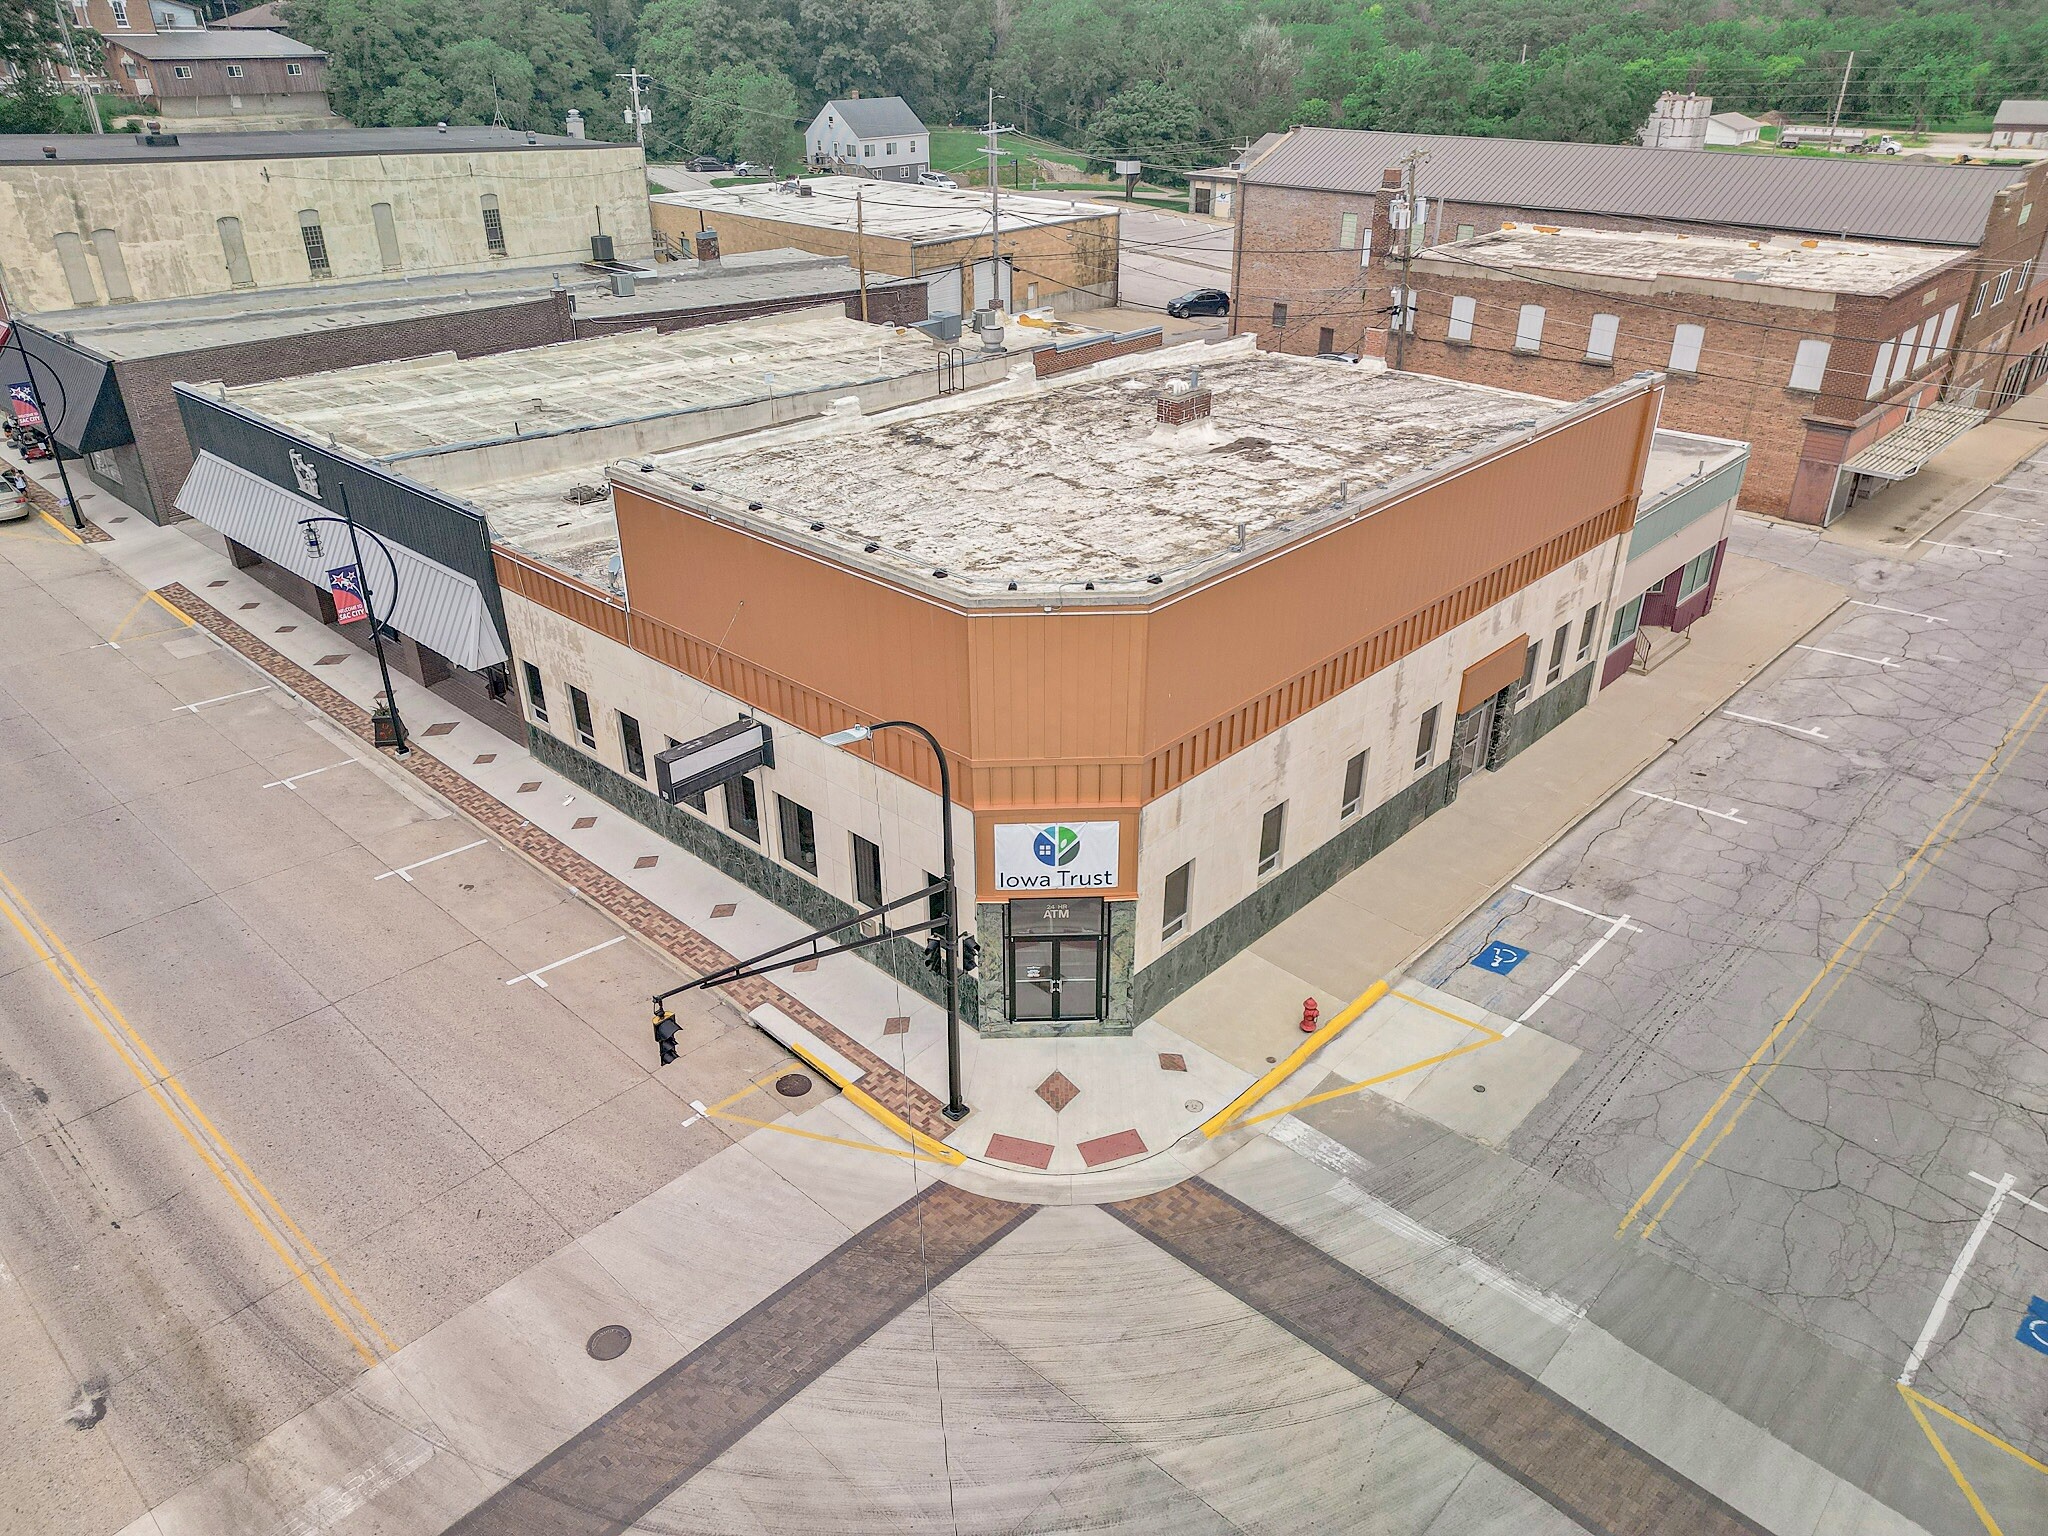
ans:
(138, 1047)
(1912, 862)
(1913, 1401)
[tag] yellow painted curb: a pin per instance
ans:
(888, 1118)
(1221, 1121)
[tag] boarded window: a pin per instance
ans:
(494, 225)
(1686, 341)
(1529, 328)
(1879, 370)
(113, 269)
(77, 270)
(235, 252)
(1462, 311)
(1347, 231)
(1279, 312)
(1600, 338)
(316, 242)
(1948, 327)
(1810, 366)
(387, 236)
(1902, 360)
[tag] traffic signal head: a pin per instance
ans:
(970, 955)
(665, 1036)
(935, 954)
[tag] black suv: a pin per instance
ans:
(1203, 301)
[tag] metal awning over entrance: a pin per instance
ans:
(1905, 450)
(440, 608)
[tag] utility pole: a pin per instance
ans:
(1407, 237)
(995, 207)
(92, 101)
(639, 125)
(1835, 118)
(860, 249)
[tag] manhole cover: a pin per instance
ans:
(609, 1342)
(1479, 1087)
(792, 1085)
(1193, 1106)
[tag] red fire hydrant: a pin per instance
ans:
(1308, 1017)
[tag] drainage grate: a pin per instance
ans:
(792, 1085)
(610, 1341)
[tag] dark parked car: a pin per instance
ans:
(706, 165)
(1203, 301)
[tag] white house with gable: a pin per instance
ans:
(862, 136)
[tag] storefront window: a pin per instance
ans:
(1627, 619)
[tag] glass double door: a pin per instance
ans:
(1056, 978)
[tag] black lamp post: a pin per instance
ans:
(956, 1107)
(348, 521)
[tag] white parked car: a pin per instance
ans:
(937, 179)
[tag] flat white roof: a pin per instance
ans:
(1783, 261)
(1046, 488)
(888, 210)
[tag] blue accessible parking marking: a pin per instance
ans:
(1500, 958)
(2034, 1326)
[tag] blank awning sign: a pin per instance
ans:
(1905, 450)
(441, 608)
(683, 772)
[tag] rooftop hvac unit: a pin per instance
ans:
(601, 248)
(622, 285)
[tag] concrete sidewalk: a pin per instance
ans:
(1899, 517)
(1088, 1119)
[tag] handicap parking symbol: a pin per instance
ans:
(1500, 958)
(2034, 1326)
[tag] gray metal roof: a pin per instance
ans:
(1872, 200)
(186, 45)
(876, 117)
(2021, 114)
(106, 148)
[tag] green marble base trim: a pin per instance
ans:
(902, 959)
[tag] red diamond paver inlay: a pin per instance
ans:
(287, 629)
(900, 1025)
(581, 822)
(439, 728)
(1172, 1061)
(1058, 1091)
(725, 909)
(805, 965)
(1015, 1149)
(647, 861)
(247, 606)
(222, 583)
(529, 787)
(328, 661)
(485, 757)
(1113, 1148)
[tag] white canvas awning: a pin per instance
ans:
(440, 608)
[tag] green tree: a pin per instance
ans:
(32, 48)
(744, 113)
(1154, 124)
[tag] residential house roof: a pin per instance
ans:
(876, 117)
(1852, 199)
(184, 47)
(1740, 122)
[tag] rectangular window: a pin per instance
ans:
(1530, 663)
(1425, 736)
(1270, 826)
(1686, 341)
(295, 69)
(120, 13)
(1587, 631)
(1465, 231)
(867, 152)
(892, 150)
(630, 747)
(867, 873)
(743, 808)
(1354, 787)
(1879, 370)
(234, 71)
(579, 711)
(1462, 311)
(1627, 619)
(1600, 339)
(133, 70)
(1326, 340)
(1529, 329)
(181, 71)
(536, 695)
(316, 242)
(1279, 313)
(494, 225)
(1558, 642)
(1902, 360)
(694, 802)
(1174, 913)
(1998, 293)
(799, 834)
(1365, 247)
(1697, 570)
(1810, 366)
(1983, 293)
(1347, 231)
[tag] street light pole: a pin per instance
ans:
(347, 519)
(955, 1107)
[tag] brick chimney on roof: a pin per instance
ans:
(1391, 178)
(1183, 401)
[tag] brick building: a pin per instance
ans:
(114, 368)
(1317, 259)
(1812, 351)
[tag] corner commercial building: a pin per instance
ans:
(1318, 261)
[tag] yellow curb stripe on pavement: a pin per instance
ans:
(165, 603)
(1221, 1121)
(930, 1145)
(74, 538)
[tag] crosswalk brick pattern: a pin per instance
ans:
(1496, 1411)
(609, 1475)
(886, 1084)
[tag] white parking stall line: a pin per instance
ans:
(1875, 661)
(1796, 730)
(1971, 549)
(1559, 901)
(294, 779)
(2013, 1194)
(534, 976)
(2007, 517)
(1942, 1301)
(1857, 602)
(1727, 815)
(404, 872)
(1617, 925)
(223, 698)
